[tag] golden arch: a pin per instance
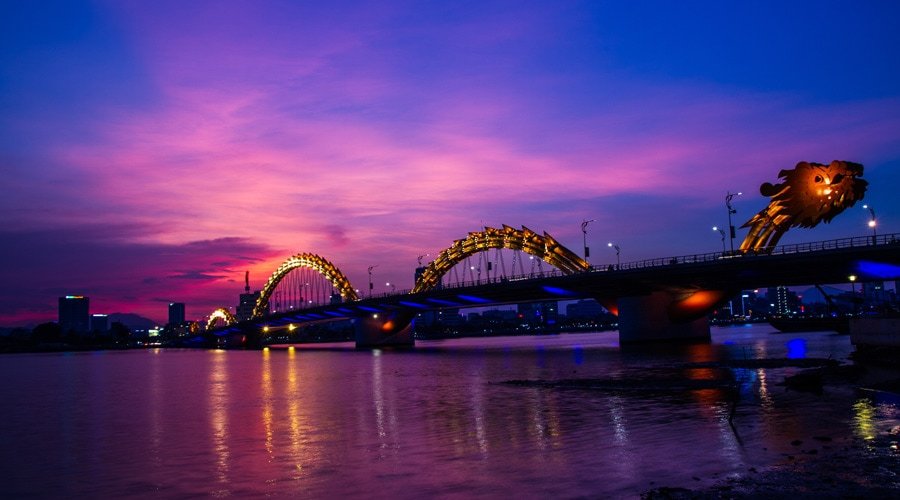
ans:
(220, 314)
(312, 261)
(544, 247)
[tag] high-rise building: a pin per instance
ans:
(245, 307)
(74, 314)
(99, 323)
(247, 301)
(874, 293)
(176, 313)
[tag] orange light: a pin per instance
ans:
(699, 303)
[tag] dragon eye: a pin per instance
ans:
(818, 178)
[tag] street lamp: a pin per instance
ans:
(722, 232)
(393, 286)
(371, 286)
(616, 246)
(731, 211)
(852, 279)
(584, 224)
(872, 223)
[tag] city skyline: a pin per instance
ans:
(154, 153)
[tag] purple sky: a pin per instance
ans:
(154, 151)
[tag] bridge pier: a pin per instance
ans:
(655, 317)
(394, 329)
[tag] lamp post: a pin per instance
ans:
(587, 251)
(370, 279)
(393, 287)
(872, 223)
(722, 232)
(616, 246)
(852, 279)
(731, 211)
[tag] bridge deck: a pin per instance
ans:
(823, 262)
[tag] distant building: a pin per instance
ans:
(99, 323)
(585, 309)
(874, 293)
(538, 313)
(176, 313)
(782, 301)
(74, 313)
(245, 306)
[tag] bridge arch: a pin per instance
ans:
(311, 261)
(220, 314)
(543, 247)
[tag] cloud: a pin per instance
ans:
(82, 260)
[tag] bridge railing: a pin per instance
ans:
(816, 246)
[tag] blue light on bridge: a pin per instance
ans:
(444, 302)
(335, 314)
(316, 316)
(345, 310)
(370, 309)
(471, 298)
(878, 270)
(413, 304)
(558, 291)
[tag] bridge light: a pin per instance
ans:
(265, 328)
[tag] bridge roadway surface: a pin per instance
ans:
(868, 258)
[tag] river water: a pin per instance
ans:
(437, 421)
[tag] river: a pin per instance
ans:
(436, 421)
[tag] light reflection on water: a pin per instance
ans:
(436, 421)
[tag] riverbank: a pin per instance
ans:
(862, 469)
(865, 465)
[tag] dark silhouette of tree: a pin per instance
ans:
(120, 333)
(47, 332)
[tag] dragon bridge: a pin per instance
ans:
(307, 260)
(220, 314)
(543, 247)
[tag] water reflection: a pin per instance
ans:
(478, 408)
(297, 428)
(268, 407)
(796, 348)
(864, 419)
(343, 423)
(156, 404)
(218, 411)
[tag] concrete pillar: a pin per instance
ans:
(394, 329)
(649, 318)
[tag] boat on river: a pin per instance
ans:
(792, 324)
